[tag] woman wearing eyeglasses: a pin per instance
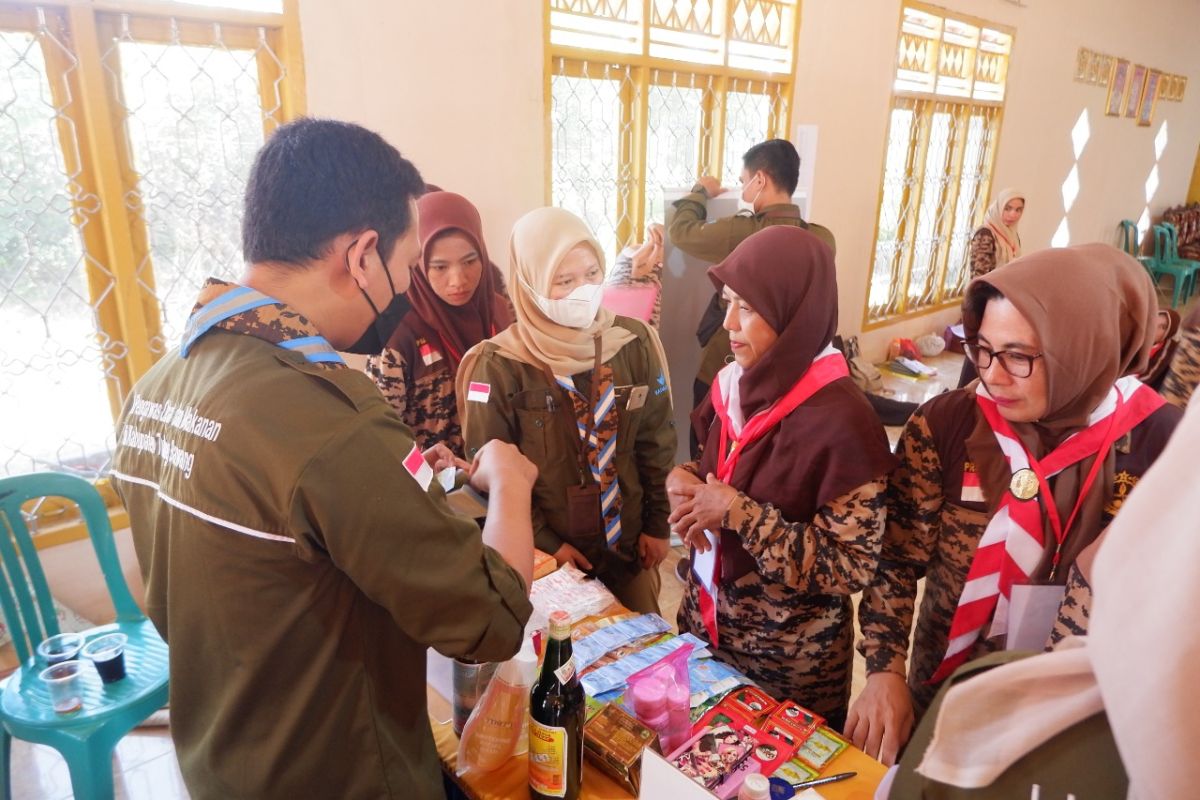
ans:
(1002, 483)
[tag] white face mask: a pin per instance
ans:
(577, 310)
(748, 205)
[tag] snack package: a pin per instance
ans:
(712, 754)
(590, 648)
(795, 772)
(614, 741)
(769, 753)
(722, 714)
(660, 696)
(751, 701)
(794, 720)
(820, 748)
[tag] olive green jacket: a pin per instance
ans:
(714, 241)
(298, 572)
(518, 411)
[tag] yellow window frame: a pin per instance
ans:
(129, 313)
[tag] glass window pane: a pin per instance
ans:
(195, 120)
(747, 122)
(672, 142)
(934, 179)
(892, 211)
(965, 210)
(55, 370)
(586, 130)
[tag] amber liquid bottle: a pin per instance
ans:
(556, 712)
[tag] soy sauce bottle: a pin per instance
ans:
(556, 712)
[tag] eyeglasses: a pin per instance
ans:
(1019, 365)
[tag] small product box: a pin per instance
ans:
(614, 741)
(820, 748)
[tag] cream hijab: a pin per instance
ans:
(1137, 662)
(1008, 241)
(539, 241)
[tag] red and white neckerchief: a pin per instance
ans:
(1013, 542)
(737, 433)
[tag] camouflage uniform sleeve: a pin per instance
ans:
(983, 253)
(390, 373)
(1074, 610)
(914, 501)
(1184, 372)
(707, 241)
(692, 467)
(834, 553)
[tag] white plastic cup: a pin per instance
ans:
(62, 680)
(60, 648)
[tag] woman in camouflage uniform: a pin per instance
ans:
(790, 482)
(1061, 329)
(456, 303)
(1183, 374)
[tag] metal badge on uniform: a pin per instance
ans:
(1024, 484)
(637, 397)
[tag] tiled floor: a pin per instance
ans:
(144, 768)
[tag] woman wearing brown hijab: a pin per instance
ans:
(456, 304)
(1166, 327)
(784, 510)
(1057, 415)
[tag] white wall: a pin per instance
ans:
(457, 86)
(843, 84)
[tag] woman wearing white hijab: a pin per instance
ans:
(1114, 714)
(584, 394)
(996, 242)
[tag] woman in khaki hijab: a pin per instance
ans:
(1002, 483)
(585, 396)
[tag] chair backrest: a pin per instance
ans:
(24, 591)
(1165, 248)
(1129, 237)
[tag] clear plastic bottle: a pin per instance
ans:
(490, 736)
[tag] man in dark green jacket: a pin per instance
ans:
(770, 172)
(298, 555)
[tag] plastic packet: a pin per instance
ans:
(493, 732)
(660, 696)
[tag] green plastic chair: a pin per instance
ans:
(1168, 262)
(1130, 244)
(87, 737)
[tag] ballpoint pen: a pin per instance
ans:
(841, 776)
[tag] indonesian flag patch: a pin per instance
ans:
(415, 465)
(971, 491)
(478, 392)
(429, 355)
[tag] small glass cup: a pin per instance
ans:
(60, 648)
(66, 694)
(108, 654)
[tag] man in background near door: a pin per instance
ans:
(770, 172)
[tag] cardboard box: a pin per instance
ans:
(614, 741)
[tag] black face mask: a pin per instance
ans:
(379, 332)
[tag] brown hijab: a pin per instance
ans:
(1093, 308)
(456, 328)
(1161, 352)
(833, 442)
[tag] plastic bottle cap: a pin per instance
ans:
(650, 698)
(755, 787)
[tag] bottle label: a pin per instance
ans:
(547, 759)
(566, 671)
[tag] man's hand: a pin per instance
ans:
(652, 551)
(439, 457)
(881, 719)
(498, 462)
(676, 480)
(703, 507)
(569, 555)
(712, 186)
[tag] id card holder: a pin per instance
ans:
(1032, 611)
(583, 511)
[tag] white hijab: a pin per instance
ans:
(1008, 241)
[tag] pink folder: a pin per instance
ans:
(630, 301)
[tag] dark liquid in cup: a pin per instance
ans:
(59, 656)
(112, 668)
